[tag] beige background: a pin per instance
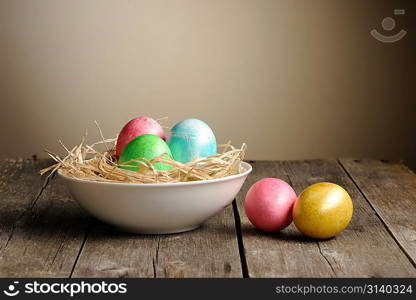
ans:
(294, 79)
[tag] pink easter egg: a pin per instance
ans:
(268, 204)
(136, 127)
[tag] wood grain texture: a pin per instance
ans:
(19, 188)
(209, 251)
(48, 232)
(364, 249)
(44, 233)
(390, 187)
(109, 252)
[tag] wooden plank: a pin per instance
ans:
(109, 252)
(364, 249)
(390, 187)
(15, 197)
(48, 234)
(210, 251)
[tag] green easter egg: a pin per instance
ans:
(147, 146)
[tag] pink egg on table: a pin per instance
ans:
(136, 127)
(268, 204)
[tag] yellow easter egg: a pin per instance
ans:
(322, 210)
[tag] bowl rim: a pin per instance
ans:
(246, 165)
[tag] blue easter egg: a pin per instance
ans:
(192, 139)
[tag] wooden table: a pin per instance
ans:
(44, 233)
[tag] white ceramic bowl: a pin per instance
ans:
(156, 208)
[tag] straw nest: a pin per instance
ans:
(86, 162)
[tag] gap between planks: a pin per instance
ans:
(155, 260)
(238, 232)
(81, 248)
